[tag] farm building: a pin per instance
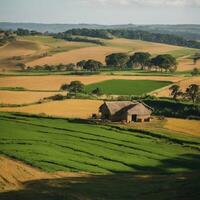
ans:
(127, 111)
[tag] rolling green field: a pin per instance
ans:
(127, 87)
(68, 145)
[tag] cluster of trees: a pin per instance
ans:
(25, 32)
(100, 33)
(46, 67)
(137, 35)
(192, 93)
(196, 57)
(70, 38)
(6, 36)
(78, 87)
(142, 60)
(195, 72)
(89, 65)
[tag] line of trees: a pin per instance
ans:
(88, 65)
(137, 35)
(70, 38)
(26, 32)
(6, 36)
(192, 93)
(142, 60)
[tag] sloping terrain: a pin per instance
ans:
(14, 173)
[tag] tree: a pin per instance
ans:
(21, 65)
(117, 60)
(165, 61)
(195, 72)
(92, 65)
(192, 92)
(81, 63)
(175, 91)
(196, 57)
(97, 91)
(64, 87)
(76, 87)
(140, 59)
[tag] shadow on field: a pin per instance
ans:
(119, 186)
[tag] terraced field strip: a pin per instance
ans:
(53, 82)
(64, 145)
(73, 108)
(24, 97)
(128, 87)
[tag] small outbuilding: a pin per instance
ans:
(128, 111)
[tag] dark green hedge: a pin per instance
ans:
(169, 108)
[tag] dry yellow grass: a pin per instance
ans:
(17, 48)
(72, 108)
(182, 83)
(98, 53)
(191, 127)
(23, 97)
(138, 45)
(14, 173)
(54, 82)
(186, 64)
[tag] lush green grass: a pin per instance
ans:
(128, 87)
(59, 144)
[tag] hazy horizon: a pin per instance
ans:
(103, 12)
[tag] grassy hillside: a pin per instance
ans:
(128, 87)
(58, 144)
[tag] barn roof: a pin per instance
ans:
(125, 106)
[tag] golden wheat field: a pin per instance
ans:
(186, 64)
(53, 82)
(97, 53)
(23, 97)
(138, 45)
(164, 92)
(183, 126)
(72, 108)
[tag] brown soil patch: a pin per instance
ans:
(72, 108)
(54, 82)
(98, 53)
(14, 173)
(24, 97)
(191, 127)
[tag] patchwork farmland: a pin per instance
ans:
(53, 143)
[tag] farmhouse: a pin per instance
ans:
(127, 111)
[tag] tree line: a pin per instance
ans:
(136, 35)
(142, 60)
(6, 36)
(70, 38)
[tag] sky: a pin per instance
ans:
(101, 11)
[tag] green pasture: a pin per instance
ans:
(128, 87)
(54, 144)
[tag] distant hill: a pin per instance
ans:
(191, 32)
